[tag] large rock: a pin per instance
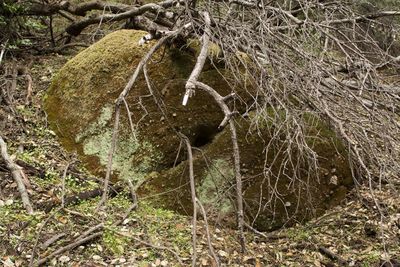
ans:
(274, 195)
(80, 107)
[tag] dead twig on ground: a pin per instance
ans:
(328, 253)
(76, 198)
(210, 246)
(16, 172)
(69, 247)
(63, 186)
(31, 262)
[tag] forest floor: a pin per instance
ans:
(355, 233)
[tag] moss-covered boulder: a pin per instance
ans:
(80, 105)
(274, 193)
(80, 108)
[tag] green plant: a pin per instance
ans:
(113, 242)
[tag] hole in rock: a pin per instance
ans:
(204, 134)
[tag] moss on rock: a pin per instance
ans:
(80, 107)
(80, 104)
(272, 198)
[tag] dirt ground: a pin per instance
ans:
(364, 230)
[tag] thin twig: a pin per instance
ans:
(31, 262)
(193, 194)
(236, 156)
(63, 185)
(210, 246)
(69, 247)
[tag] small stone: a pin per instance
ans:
(173, 114)
(288, 204)
(2, 203)
(144, 255)
(8, 263)
(223, 253)
(164, 263)
(122, 260)
(99, 248)
(333, 180)
(9, 202)
(158, 262)
(96, 257)
(64, 259)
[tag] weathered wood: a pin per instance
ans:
(16, 172)
(76, 198)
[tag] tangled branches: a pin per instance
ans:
(299, 60)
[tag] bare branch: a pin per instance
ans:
(193, 194)
(16, 173)
(236, 156)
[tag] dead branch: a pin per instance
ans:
(31, 170)
(31, 262)
(236, 155)
(28, 88)
(210, 246)
(16, 173)
(76, 198)
(36, 8)
(193, 194)
(328, 253)
(89, 235)
(63, 185)
(69, 247)
(124, 234)
(52, 240)
(201, 59)
(76, 27)
(3, 50)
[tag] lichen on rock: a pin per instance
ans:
(80, 104)
(80, 107)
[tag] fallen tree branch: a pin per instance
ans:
(236, 155)
(86, 236)
(77, 27)
(16, 172)
(152, 246)
(193, 195)
(210, 246)
(69, 247)
(31, 262)
(51, 240)
(328, 253)
(76, 198)
(45, 9)
(61, 49)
